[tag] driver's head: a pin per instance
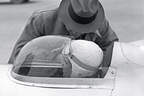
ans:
(85, 57)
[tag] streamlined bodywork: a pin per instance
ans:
(124, 78)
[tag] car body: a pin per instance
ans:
(124, 78)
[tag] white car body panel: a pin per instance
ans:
(10, 88)
(128, 80)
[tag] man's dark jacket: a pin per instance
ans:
(47, 22)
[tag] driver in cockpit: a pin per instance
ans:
(58, 56)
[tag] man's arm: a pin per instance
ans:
(109, 37)
(31, 31)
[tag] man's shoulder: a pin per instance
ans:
(44, 14)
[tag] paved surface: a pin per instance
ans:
(125, 16)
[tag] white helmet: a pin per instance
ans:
(85, 57)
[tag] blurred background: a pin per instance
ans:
(125, 16)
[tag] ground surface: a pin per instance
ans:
(125, 16)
